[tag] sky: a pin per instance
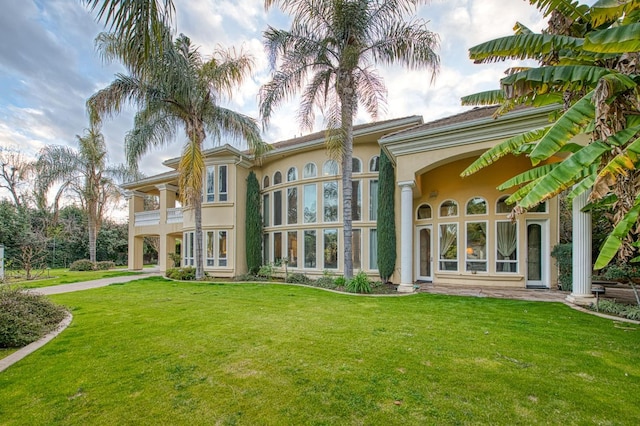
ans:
(49, 67)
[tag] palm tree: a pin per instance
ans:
(139, 24)
(329, 55)
(178, 88)
(83, 173)
(589, 60)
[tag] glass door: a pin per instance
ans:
(537, 254)
(424, 254)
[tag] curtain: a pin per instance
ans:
(507, 238)
(447, 238)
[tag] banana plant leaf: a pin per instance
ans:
(566, 173)
(569, 8)
(614, 241)
(489, 97)
(522, 46)
(571, 123)
(522, 192)
(508, 146)
(528, 176)
(552, 78)
(628, 159)
(607, 11)
(582, 186)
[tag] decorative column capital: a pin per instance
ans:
(167, 187)
(131, 194)
(407, 184)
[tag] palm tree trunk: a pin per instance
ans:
(93, 236)
(347, 100)
(197, 207)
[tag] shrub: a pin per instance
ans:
(325, 282)
(359, 284)
(176, 258)
(188, 273)
(82, 265)
(609, 306)
(248, 277)
(632, 312)
(562, 254)
(340, 282)
(266, 271)
(105, 265)
(298, 278)
(26, 317)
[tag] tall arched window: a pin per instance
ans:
(476, 205)
(309, 170)
(356, 165)
(330, 168)
(277, 178)
(374, 164)
(292, 174)
(448, 208)
(265, 182)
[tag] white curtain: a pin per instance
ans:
(507, 238)
(447, 238)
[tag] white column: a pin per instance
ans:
(581, 293)
(406, 237)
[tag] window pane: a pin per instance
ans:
(330, 168)
(506, 246)
(540, 208)
(356, 201)
(309, 170)
(277, 178)
(210, 184)
(222, 248)
(424, 211)
(277, 208)
(210, 246)
(292, 205)
(277, 248)
(502, 206)
(449, 247)
(448, 208)
(222, 183)
(477, 205)
(309, 201)
(309, 249)
(373, 200)
(265, 183)
(373, 249)
(265, 209)
(374, 164)
(265, 249)
(292, 174)
(292, 247)
(356, 245)
(356, 165)
(331, 248)
(330, 201)
(476, 249)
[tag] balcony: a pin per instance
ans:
(152, 217)
(174, 215)
(147, 218)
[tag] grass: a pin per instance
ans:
(65, 276)
(160, 352)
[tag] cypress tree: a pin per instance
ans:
(386, 219)
(253, 225)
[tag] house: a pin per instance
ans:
(451, 230)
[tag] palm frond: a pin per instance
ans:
(191, 170)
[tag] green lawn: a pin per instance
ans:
(65, 276)
(160, 352)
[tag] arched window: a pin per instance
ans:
(277, 178)
(292, 174)
(309, 170)
(477, 205)
(502, 206)
(330, 168)
(374, 164)
(448, 208)
(265, 182)
(356, 165)
(424, 211)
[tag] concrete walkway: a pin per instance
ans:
(88, 285)
(537, 295)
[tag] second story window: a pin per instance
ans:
(211, 184)
(222, 183)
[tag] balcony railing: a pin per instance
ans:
(148, 218)
(152, 217)
(174, 215)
